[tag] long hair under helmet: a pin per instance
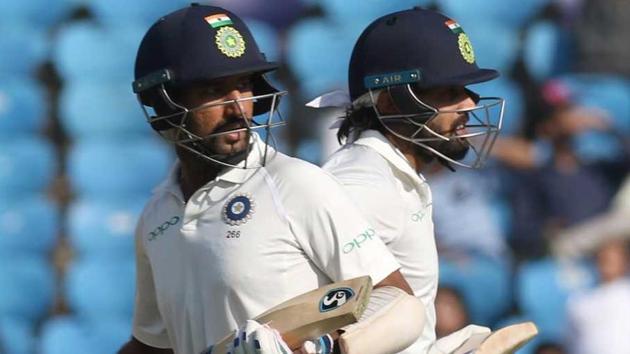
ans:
(194, 45)
(406, 52)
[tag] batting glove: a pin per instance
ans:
(256, 338)
(321, 345)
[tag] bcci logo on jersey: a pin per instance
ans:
(239, 209)
(335, 298)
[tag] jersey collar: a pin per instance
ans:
(377, 141)
(171, 183)
(235, 175)
(239, 174)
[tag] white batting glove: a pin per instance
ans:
(321, 345)
(256, 338)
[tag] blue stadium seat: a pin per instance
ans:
(39, 14)
(27, 165)
(266, 38)
(110, 334)
(64, 335)
(543, 288)
(17, 336)
(92, 109)
(22, 107)
(106, 169)
(608, 93)
(319, 54)
(514, 102)
(28, 285)
(114, 13)
(24, 48)
(484, 284)
(28, 226)
(495, 46)
(310, 150)
(70, 335)
(501, 213)
(104, 229)
(86, 51)
(99, 290)
(280, 14)
(511, 13)
(546, 50)
(363, 12)
(593, 146)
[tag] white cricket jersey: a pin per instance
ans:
(397, 202)
(243, 243)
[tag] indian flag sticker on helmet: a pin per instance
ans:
(454, 26)
(230, 42)
(218, 20)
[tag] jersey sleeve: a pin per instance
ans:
(364, 176)
(380, 206)
(334, 234)
(148, 326)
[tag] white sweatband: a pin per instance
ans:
(392, 321)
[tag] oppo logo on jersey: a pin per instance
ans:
(357, 241)
(165, 225)
(417, 216)
(335, 298)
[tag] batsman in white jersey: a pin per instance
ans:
(238, 227)
(409, 107)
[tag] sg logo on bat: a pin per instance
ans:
(335, 298)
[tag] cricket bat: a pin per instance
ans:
(315, 313)
(505, 340)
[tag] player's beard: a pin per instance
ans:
(208, 148)
(456, 148)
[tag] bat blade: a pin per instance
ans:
(505, 340)
(508, 339)
(314, 313)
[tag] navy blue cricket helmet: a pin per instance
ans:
(406, 52)
(429, 46)
(200, 44)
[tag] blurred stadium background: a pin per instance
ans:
(77, 160)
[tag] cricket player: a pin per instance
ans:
(238, 227)
(409, 107)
